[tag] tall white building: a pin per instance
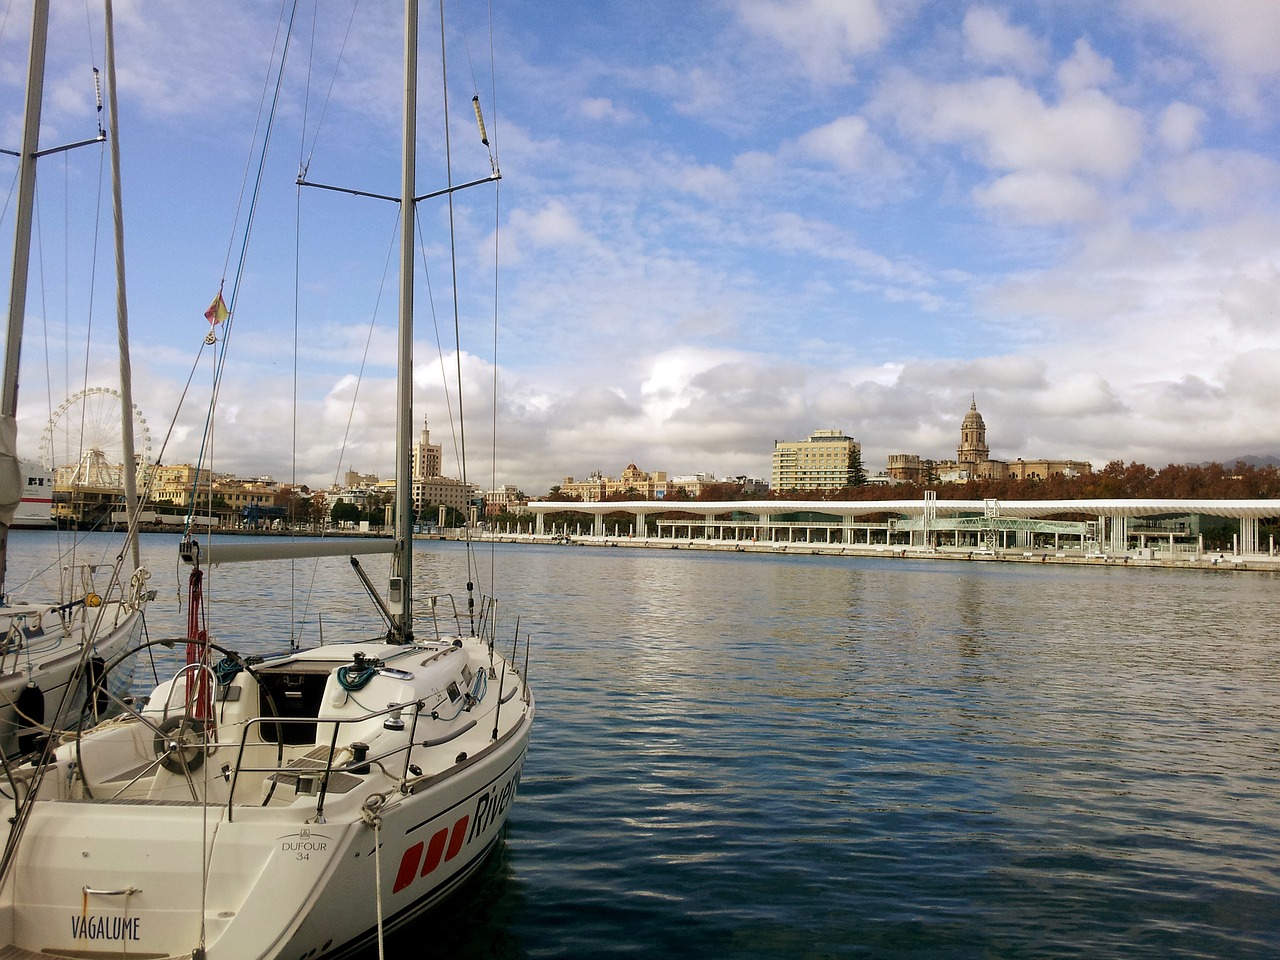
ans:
(432, 491)
(426, 456)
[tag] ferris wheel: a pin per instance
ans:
(82, 444)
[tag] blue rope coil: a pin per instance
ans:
(226, 669)
(355, 678)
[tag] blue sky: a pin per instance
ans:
(721, 224)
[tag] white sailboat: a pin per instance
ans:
(295, 806)
(51, 652)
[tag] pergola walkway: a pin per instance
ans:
(923, 522)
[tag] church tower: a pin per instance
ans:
(973, 449)
(426, 455)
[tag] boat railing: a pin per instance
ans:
(357, 765)
(481, 622)
(78, 580)
(201, 682)
(442, 608)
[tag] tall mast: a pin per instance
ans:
(21, 258)
(402, 558)
(122, 299)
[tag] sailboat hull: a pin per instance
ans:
(300, 861)
(41, 648)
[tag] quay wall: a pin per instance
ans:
(1215, 560)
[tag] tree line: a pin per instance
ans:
(1117, 480)
(1211, 481)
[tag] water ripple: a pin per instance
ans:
(806, 757)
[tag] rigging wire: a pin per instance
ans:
(453, 254)
(305, 155)
(93, 47)
(93, 281)
(435, 323)
(42, 280)
(368, 342)
(4, 21)
(304, 165)
(497, 230)
(454, 422)
(257, 125)
(351, 410)
(497, 211)
(44, 326)
(295, 626)
(224, 344)
(296, 620)
(8, 197)
(457, 322)
(458, 423)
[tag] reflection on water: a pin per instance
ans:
(761, 756)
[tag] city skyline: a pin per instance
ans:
(720, 224)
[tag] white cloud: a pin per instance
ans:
(1005, 373)
(1240, 37)
(824, 36)
(842, 143)
(1180, 126)
(604, 109)
(1042, 197)
(1249, 297)
(168, 85)
(1085, 69)
(670, 381)
(990, 40)
(551, 225)
(700, 92)
(707, 182)
(848, 144)
(1011, 128)
(1077, 394)
(1221, 182)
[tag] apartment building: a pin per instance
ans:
(825, 460)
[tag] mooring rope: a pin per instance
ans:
(377, 878)
(370, 814)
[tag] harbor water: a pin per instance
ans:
(746, 756)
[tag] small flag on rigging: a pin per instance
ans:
(217, 311)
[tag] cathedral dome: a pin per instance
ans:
(973, 419)
(973, 449)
